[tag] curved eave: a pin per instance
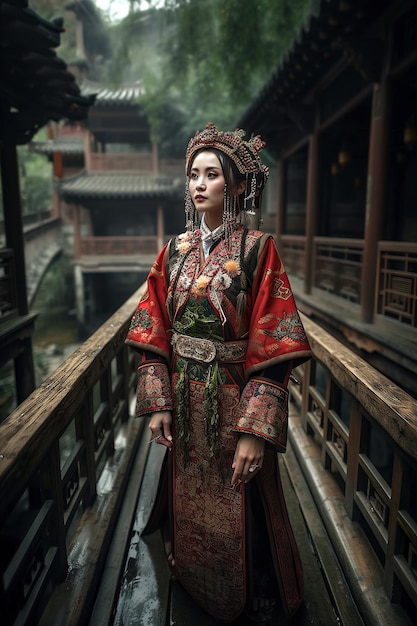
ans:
(111, 186)
(313, 53)
(127, 96)
(70, 148)
(35, 84)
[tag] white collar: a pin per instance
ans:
(206, 233)
(208, 237)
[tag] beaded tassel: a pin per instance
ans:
(229, 214)
(190, 210)
(251, 196)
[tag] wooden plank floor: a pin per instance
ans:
(148, 597)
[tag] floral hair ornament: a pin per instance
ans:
(245, 156)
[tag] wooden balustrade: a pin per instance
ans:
(101, 246)
(293, 251)
(397, 282)
(338, 266)
(354, 434)
(116, 162)
(53, 449)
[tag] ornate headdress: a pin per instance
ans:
(245, 156)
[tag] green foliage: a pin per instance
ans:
(205, 60)
(35, 180)
(198, 60)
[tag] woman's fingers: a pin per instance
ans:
(160, 426)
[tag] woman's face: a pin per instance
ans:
(207, 185)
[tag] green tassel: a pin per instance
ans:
(211, 408)
(182, 392)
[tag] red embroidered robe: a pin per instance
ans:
(240, 292)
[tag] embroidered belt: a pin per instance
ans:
(208, 350)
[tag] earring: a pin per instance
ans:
(190, 210)
(229, 213)
(251, 196)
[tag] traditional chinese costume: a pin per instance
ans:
(219, 337)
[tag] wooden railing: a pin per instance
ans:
(53, 449)
(118, 245)
(338, 266)
(66, 451)
(397, 282)
(355, 434)
(293, 252)
(338, 269)
(117, 162)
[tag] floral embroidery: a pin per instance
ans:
(263, 411)
(219, 269)
(288, 327)
(141, 318)
(154, 389)
(186, 240)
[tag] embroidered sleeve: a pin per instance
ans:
(150, 325)
(153, 391)
(276, 333)
(263, 411)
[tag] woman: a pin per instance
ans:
(219, 334)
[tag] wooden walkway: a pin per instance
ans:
(147, 597)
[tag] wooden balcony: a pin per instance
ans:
(115, 246)
(337, 266)
(66, 453)
(73, 457)
(338, 270)
(397, 282)
(117, 162)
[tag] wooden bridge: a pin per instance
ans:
(77, 478)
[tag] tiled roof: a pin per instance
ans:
(108, 185)
(105, 97)
(66, 145)
(328, 38)
(35, 84)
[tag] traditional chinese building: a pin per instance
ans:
(340, 116)
(119, 198)
(35, 87)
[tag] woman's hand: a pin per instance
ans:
(249, 454)
(160, 425)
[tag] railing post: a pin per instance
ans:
(393, 546)
(355, 429)
(51, 487)
(376, 198)
(85, 432)
(311, 209)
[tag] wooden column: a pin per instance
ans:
(160, 228)
(13, 223)
(155, 158)
(280, 217)
(77, 230)
(375, 198)
(311, 209)
(87, 149)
